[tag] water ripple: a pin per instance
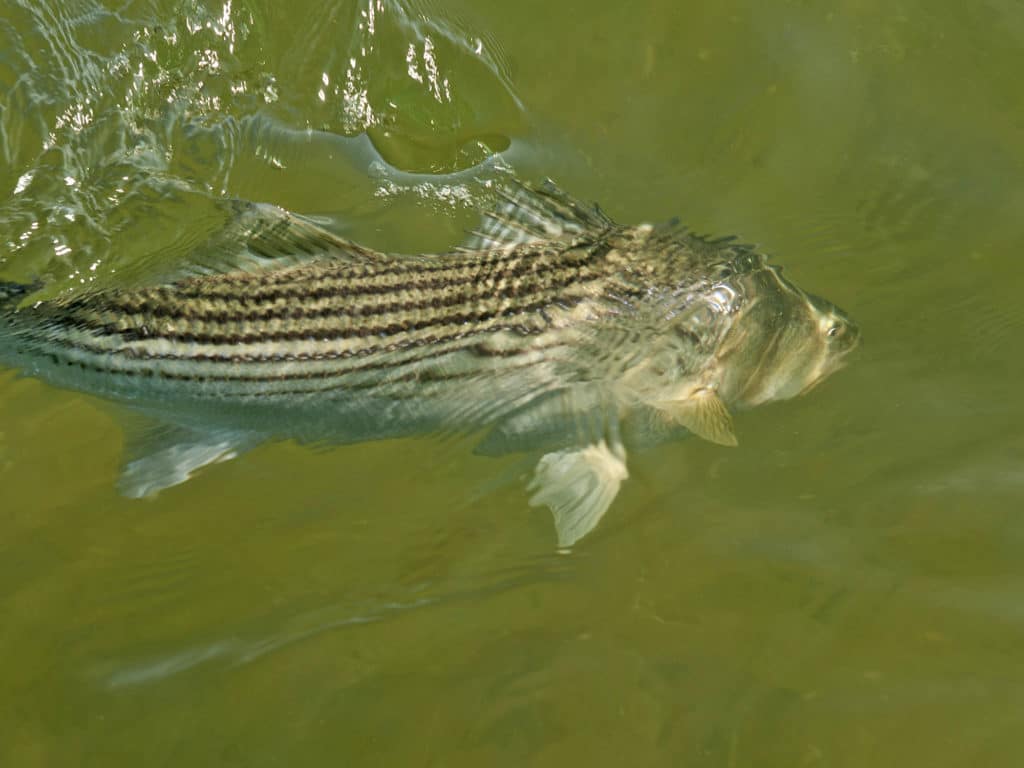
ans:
(123, 132)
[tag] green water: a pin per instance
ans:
(845, 588)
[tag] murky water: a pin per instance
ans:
(843, 589)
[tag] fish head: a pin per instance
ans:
(782, 343)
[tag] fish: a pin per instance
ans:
(554, 332)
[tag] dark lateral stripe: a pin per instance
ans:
(433, 347)
(479, 348)
(348, 280)
(341, 284)
(337, 278)
(114, 345)
(245, 312)
(227, 336)
(422, 376)
(386, 388)
(386, 266)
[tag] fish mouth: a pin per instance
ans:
(826, 371)
(853, 331)
(836, 362)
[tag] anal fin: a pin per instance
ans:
(578, 486)
(170, 455)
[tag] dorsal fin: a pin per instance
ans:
(261, 236)
(527, 213)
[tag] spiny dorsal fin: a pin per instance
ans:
(704, 414)
(528, 213)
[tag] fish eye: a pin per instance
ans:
(836, 329)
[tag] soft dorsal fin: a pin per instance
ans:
(527, 213)
(262, 236)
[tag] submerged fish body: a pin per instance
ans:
(555, 330)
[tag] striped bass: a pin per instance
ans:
(555, 331)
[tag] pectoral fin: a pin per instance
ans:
(169, 456)
(578, 486)
(704, 414)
